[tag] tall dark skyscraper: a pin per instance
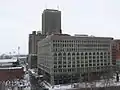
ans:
(51, 21)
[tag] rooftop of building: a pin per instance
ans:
(67, 36)
(37, 33)
(117, 40)
(51, 10)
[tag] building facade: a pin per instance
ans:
(51, 21)
(66, 59)
(116, 52)
(32, 61)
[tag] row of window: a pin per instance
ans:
(81, 57)
(84, 53)
(73, 70)
(82, 41)
(81, 45)
(78, 61)
(82, 65)
(78, 49)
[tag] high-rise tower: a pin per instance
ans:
(51, 21)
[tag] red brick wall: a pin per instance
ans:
(10, 74)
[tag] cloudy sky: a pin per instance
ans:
(18, 18)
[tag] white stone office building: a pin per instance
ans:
(65, 59)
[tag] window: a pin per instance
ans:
(78, 61)
(73, 54)
(55, 58)
(64, 65)
(85, 53)
(77, 53)
(73, 58)
(59, 62)
(59, 66)
(86, 57)
(55, 66)
(64, 62)
(90, 64)
(69, 65)
(89, 53)
(59, 54)
(90, 61)
(64, 58)
(93, 57)
(60, 70)
(82, 65)
(68, 54)
(93, 53)
(78, 65)
(55, 62)
(69, 58)
(101, 53)
(81, 53)
(73, 65)
(64, 54)
(77, 57)
(55, 54)
(90, 57)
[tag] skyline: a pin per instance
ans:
(18, 18)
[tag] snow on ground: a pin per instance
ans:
(100, 83)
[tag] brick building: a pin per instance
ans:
(116, 52)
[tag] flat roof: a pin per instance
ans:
(8, 60)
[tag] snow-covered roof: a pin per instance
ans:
(8, 60)
(11, 68)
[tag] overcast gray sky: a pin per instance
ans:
(18, 18)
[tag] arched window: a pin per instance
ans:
(89, 53)
(77, 53)
(59, 54)
(68, 54)
(97, 53)
(85, 53)
(81, 53)
(93, 53)
(101, 53)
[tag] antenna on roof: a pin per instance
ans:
(45, 6)
(58, 7)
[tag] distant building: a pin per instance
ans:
(23, 60)
(51, 21)
(33, 39)
(32, 48)
(66, 59)
(32, 61)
